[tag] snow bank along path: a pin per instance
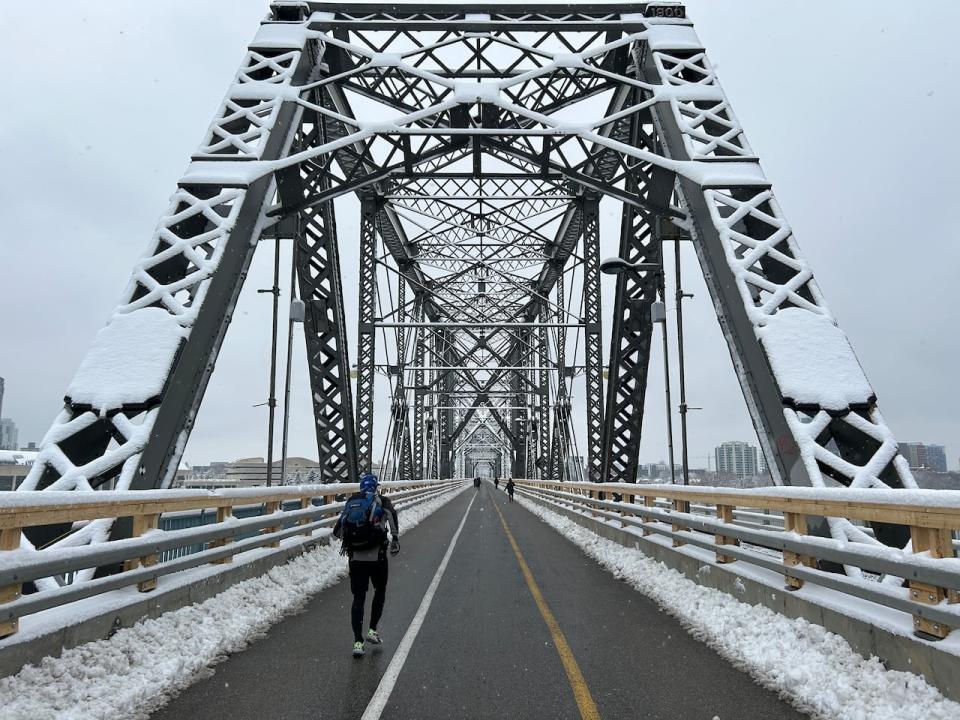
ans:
(138, 669)
(815, 670)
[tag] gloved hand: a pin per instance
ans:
(394, 547)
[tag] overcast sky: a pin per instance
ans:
(848, 105)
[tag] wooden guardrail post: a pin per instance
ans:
(141, 524)
(725, 515)
(9, 540)
(679, 506)
(939, 543)
(648, 501)
(304, 504)
(797, 523)
(269, 508)
(223, 512)
(629, 499)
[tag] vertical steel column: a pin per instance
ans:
(630, 349)
(365, 332)
(318, 270)
(557, 445)
(433, 429)
(419, 422)
(519, 419)
(543, 389)
(405, 449)
(401, 317)
(445, 430)
(630, 336)
(592, 331)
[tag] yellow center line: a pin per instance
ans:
(588, 709)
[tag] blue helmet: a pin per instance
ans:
(368, 482)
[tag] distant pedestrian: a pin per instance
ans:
(496, 483)
(362, 526)
(510, 487)
(476, 483)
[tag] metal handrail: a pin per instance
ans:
(141, 554)
(930, 569)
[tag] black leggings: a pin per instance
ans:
(362, 573)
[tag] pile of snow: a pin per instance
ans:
(813, 361)
(17, 457)
(129, 360)
(815, 670)
(140, 668)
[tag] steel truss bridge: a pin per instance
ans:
(480, 140)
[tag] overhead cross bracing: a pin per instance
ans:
(479, 140)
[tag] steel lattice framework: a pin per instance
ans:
(480, 140)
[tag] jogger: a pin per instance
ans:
(363, 527)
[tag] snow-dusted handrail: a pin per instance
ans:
(925, 508)
(140, 554)
(929, 564)
(28, 509)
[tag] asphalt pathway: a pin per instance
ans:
(484, 648)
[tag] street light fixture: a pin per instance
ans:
(617, 266)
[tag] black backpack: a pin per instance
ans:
(361, 523)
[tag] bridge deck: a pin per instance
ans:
(484, 650)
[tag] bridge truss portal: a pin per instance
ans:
(479, 140)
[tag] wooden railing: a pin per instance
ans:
(929, 569)
(286, 512)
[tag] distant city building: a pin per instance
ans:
(736, 458)
(8, 435)
(659, 471)
(1, 396)
(921, 456)
(216, 469)
(252, 472)
(937, 457)
(14, 466)
(931, 480)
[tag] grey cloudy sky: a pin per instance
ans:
(849, 106)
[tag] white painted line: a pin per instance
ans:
(389, 679)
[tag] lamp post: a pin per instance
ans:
(272, 400)
(681, 296)
(297, 314)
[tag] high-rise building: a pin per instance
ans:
(8, 435)
(737, 458)
(937, 457)
(922, 456)
(1, 397)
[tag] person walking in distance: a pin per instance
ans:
(510, 487)
(476, 483)
(496, 483)
(362, 526)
